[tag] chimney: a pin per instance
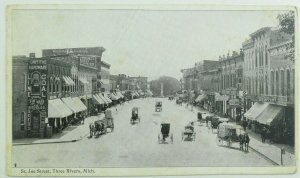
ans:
(31, 55)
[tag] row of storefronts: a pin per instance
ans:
(255, 86)
(61, 88)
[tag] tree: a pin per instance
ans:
(170, 85)
(287, 25)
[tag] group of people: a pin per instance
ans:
(244, 140)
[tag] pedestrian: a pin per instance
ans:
(246, 141)
(238, 119)
(91, 130)
(245, 124)
(263, 134)
(241, 140)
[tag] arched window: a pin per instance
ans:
(288, 82)
(272, 83)
(267, 84)
(277, 83)
(266, 55)
(282, 82)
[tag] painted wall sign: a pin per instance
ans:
(88, 61)
(37, 109)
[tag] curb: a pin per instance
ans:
(264, 156)
(63, 141)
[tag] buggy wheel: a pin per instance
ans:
(171, 138)
(219, 141)
(158, 138)
(194, 136)
(182, 136)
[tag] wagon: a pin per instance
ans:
(104, 124)
(165, 136)
(228, 133)
(215, 121)
(135, 118)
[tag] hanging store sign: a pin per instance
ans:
(221, 97)
(37, 109)
(234, 102)
(272, 99)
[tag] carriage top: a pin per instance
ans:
(135, 109)
(108, 114)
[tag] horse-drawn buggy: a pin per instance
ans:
(228, 133)
(158, 106)
(215, 121)
(102, 125)
(165, 136)
(135, 118)
(188, 134)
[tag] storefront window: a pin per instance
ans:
(282, 83)
(22, 121)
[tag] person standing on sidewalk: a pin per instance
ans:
(245, 124)
(246, 141)
(263, 134)
(241, 140)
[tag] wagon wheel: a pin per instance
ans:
(171, 138)
(112, 128)
(194, 136)
(139, 119)
(182, 136)
(219, 141)
(158, 138)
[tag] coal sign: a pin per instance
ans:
(37, 109)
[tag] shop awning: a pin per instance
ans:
(68, 80)
(97, 100)
(83, 80)
(80, 104)
(104, 81)
(200, 98)
(103, 99)
(106, 97)
(255, 110)
(269, 114)
(57, 109)
(71, 105)
(119, 94)
(113, 96)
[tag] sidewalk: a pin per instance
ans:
(270, 150)
(69, 134)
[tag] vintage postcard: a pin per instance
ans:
(139, 90)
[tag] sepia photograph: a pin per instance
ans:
(107, 88)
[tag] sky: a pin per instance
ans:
(139, 42)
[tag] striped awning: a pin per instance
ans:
(98, 100)
(57, 109)
(269, 114)
(79, 104)
(255, 110)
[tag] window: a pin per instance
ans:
(277, 83)
(22, 121)
(288, 86)
(272, 83)
(25, 81)
(267, 84)
(266, 55)
(282, 83)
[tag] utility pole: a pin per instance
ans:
(161, 89)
